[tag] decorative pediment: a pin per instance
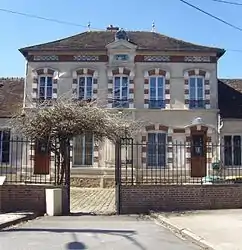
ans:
(121, 45)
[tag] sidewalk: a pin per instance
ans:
(10, 219)
(213, 229)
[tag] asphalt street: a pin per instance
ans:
(91, 232)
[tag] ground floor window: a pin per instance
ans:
(4, 146)
(232, 150)
(156, 150)
(178, 151)
(83, 150)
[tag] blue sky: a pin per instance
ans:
(172, 18)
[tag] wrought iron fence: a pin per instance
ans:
(27, 161)
(178, 163)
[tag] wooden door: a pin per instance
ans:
(198, 153)
(42, 158)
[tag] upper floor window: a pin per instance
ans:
(121, 92)
(85, 87)
(157, 92)
(45, 87)
(196, 92)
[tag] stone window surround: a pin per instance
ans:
(156, 128)
(47, 71)
(120, 71)
(197, 72)
(156, 72)
(84, 72)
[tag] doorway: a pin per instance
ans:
(198, 152)
(42, 158)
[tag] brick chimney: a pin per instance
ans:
(112, 28)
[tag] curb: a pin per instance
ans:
(17, 221)
(199, 241)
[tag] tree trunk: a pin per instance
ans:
(65, 160)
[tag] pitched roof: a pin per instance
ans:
(11, 95)
(97, 40)
(230, 98)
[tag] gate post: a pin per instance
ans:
(118, 176)
(68, 177)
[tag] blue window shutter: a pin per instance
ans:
(81, 87)
(88, 149)
(161, 150)
(192, 88)
(151, 150)
(89, 87)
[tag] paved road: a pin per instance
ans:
(91, 232)
(93, 200)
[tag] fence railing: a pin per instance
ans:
(27, 161)
(179, 163)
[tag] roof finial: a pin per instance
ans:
(89, 26)
(153, 26)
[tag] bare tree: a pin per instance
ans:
(58, 122)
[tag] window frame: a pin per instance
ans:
(232, 149)
(121, 76)
(196, 77)
(156, 89)
(83, 153)
(45, 86)
(157, 166)
(1, 145)
(85, 87)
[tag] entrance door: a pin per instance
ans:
(198, 153)
(42, 158)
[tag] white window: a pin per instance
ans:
(45, 87)
(4, 146)
(83, 150)
(196, 92)
(157, 92)
(85, 87)
(121, 92)
(179, 151)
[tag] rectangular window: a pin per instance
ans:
(4, 146)
(121, 92)
(83, 150)
(196, 91)
(232, 150)
(85, 87)
(45, 87)
(157, 93)
(156, 153)
(179, 155)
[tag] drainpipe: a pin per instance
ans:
(25, 84)
(220, 126)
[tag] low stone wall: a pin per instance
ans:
(26, 198)
(93, 182)
(144, 198)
